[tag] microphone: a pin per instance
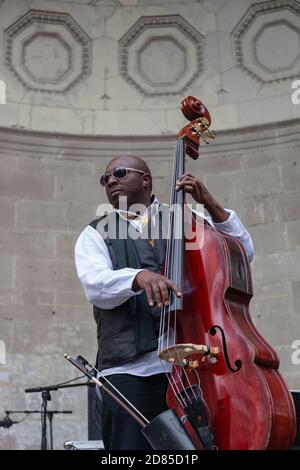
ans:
(39, 389)
(7, 422)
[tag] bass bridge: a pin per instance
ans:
(179, 354)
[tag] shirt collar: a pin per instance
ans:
(149, 212)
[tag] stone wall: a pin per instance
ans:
(49, 191)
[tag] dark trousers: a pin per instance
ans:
(148, 394)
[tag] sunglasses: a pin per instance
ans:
(119, 172)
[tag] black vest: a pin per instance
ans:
(131, 329)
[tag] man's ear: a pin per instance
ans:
(146, 181)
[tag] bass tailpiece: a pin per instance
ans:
(197, 414)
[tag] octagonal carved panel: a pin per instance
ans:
(161, 55)
(282, 31)
(46, 57)
(162, 50)
(47, 51)
(267, 41)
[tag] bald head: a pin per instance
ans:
(130, 161)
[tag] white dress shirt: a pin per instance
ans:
(107, 288)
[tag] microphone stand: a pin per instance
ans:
(46, 396)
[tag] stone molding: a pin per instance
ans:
(99, 3)
(32, 143)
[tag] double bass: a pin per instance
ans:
(225, 384)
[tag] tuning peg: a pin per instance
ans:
(207, 135)
(205, 139)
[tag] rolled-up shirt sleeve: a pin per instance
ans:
(104, 287)
(234, 226)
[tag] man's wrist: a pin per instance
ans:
(215, 210)
(135, 287)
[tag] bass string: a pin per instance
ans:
(173, 223)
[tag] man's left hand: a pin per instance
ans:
(194, 187)
(200, 193)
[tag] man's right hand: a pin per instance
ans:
(156, 287)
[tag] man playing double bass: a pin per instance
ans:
(124, 284)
